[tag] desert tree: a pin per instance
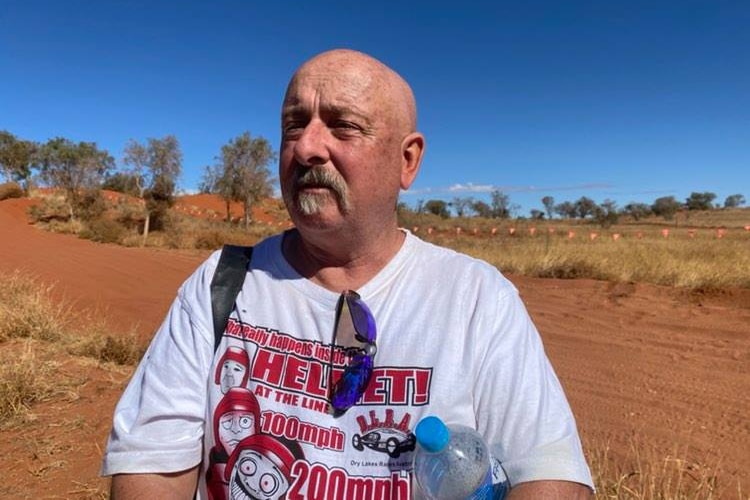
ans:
(536, 214)
(17, 158)
(482, 209)
(500, 204)
(74, 168)
(585, 207)
(155, 167)
(734, 201)
(437, 207)
(637, 210)
(666, 206)
(420, 206)
(700, 201)
(606, 214)
(566, 209)
(462, 205)
(241, 173)
(549, 205)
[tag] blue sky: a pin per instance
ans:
(617, 100)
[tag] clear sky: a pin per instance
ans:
(622, 100)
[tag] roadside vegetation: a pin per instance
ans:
(643, 472)
(699, 242)
(34, 330)
(688, 256)
(702, 250)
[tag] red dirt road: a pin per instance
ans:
(659, 367)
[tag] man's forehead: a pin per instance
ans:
(331, 89)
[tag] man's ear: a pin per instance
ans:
(412, 150)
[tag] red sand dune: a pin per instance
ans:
(652, 364)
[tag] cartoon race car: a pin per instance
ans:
(385, 440)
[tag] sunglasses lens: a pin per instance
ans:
(364, 322)
(352, 383)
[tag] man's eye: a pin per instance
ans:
(346, 125)
(293, 128)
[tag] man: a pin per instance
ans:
(440, 333)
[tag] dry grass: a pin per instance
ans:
(102, 346)
(644, 473)
(33, 329)
(701, 261)
(27, 310)
(24, 380)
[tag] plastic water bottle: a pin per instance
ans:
(451, 462)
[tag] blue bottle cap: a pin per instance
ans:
(432, 434)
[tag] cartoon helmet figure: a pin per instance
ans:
(233, 369)
(236, 417)
(260, 467)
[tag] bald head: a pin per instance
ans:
(386, 86)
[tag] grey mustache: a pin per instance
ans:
(320, 178)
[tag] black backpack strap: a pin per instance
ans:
(226, 284)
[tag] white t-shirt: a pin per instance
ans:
(453, 340)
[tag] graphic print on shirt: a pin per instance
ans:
(289, 379)
(236, 417)
(232, 369)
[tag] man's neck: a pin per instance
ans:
(340, 266)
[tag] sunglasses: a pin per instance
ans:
(355, 331)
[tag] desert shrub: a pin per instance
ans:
(70, 226)
(122, 183)
(129, 215)
(103, 230)
(570, 269)
(90, 205)
(50, 208)
(643, 472)
(122, 350)
(10, 190)
(210, 240)
(27, 311)
(24, 380)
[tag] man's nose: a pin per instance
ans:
(311, 148)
